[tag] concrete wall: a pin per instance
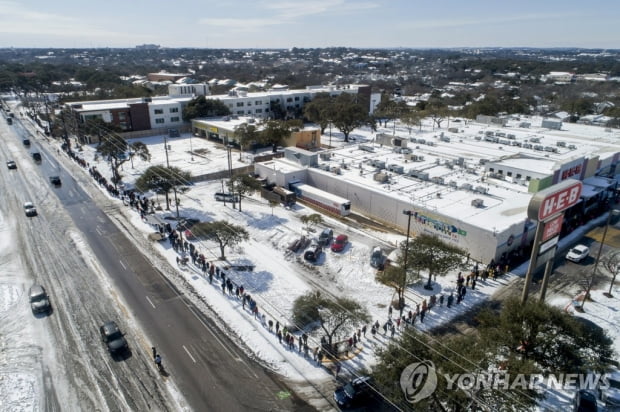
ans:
(483, 244)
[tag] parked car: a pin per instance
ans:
(377, 258)
(113, 337)
(340, 243)
(314, 252)
(610, 394)
(30, 209)
(26, 142)
(11, 164)
(584, 401)
(36, 156)
(578, 253)
(355, 393)
(39, 301)
(55, 180)
(325, 238)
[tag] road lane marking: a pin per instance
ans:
(189, 354)
(147, 298)
(121, 262)
(98, 231)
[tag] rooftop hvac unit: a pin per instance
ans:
(477, 203)
(438, 180)
(366, 148)
(380, 177)
(325, 166)
(481, 189)
(452, 183)
(466, 186)
(325, 156)
(378, 163)
(336, 170)
(396, 169)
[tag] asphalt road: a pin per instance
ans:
(207, 367)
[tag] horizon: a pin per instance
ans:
(285, 24)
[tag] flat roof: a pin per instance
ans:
(505, 201)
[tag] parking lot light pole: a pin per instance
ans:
(613, 212)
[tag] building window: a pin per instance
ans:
(491, 169)
(290, 99)
(249, 104)
(239, 104)
(160, 121)
(259, 110)
(174, 110)
(296, 98)
(508, 174)
(122, 116)
(175, 119)
(528, 178)
(518, 175)
(159, 111)
(500, 171)
(240, 112)
(258, 102)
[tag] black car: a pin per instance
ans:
(37, 156)
(356, 393)
(39, 301)
(584, 401)
(26, 142)
(55, 180)
(113, 337)
(11, 164)
(313, 253)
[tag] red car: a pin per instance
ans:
(340, 243)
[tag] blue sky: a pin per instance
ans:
(310, 23)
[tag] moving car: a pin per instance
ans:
(39, 301)
(11, 164)
(584, 401)
(610, 394)
(30, 209)
(113, 337)
(578, 253)
(355, 393)
(55, 180)
(340, 243)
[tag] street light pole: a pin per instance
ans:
(401, 299)
(612, 212)
(174, 188)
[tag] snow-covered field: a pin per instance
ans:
(281, 276)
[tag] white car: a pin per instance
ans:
(578, 253)
(30, 209)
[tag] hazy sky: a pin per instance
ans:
(310, 23)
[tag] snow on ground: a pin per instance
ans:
(280, 276)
